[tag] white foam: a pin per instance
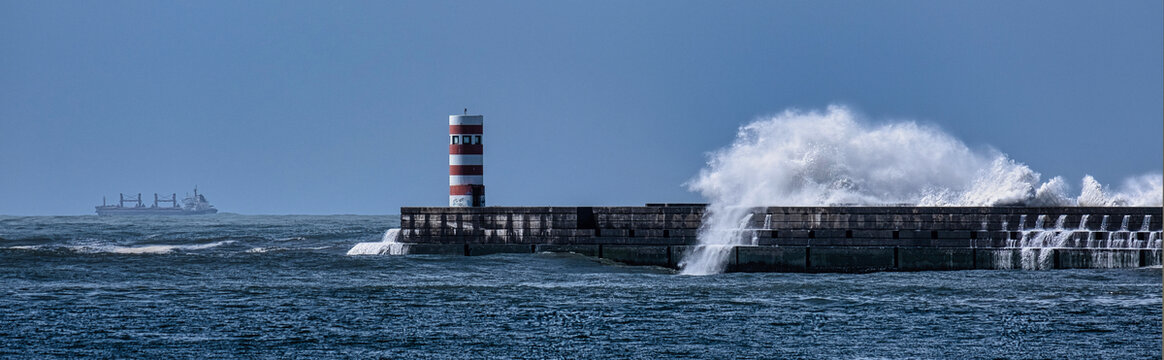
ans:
(835, 157)
(716, 241)
(812, 158)
(260, 250)
(705, 259)
(1091, 194)
(1143, 190)
(114, 249)
(386, 246)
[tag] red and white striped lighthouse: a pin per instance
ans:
(466, 169)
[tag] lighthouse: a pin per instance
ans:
(466, 168)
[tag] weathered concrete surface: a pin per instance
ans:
(487, 249)
(436, 249)
(1150, 257)
(1096, 258)
(998, 259)
(770, 259)
(588, 250)
(916, 259)
(850, 259)
(677, 254)
(637, 255)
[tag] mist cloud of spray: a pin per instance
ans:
(832, 157)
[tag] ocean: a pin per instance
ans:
(235, 286)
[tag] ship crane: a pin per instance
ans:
(123, 199)
(173, 200)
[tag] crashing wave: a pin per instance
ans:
(813, 158)
(386, 246)
(832, 157)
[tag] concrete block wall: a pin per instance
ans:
(843, 239)
(915, 226)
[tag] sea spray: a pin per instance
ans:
(814, 158)
(386, 246)
(716, 241)
(828, 157)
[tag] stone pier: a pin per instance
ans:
(806, 239)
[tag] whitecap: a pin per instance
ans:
(114, 249)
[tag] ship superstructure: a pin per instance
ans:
(191, 205)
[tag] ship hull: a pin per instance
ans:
(116, 211)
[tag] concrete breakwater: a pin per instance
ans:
(806, 239)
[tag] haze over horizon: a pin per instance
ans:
(315, 108)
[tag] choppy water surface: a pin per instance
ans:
(281, 286)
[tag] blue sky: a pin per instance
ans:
(276, 107)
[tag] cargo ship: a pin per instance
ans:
(191, 205)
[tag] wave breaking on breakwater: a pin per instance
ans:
(386, 246)
(833, 157)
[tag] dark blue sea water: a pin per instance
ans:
(230, 286)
